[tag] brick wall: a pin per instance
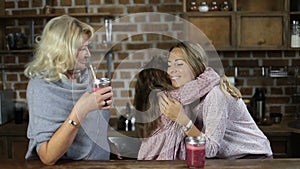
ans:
(132, 48)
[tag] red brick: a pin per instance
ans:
(126, 93)
(12, 77)
(139, 1)
(76, 10)
(246, 91)
(152, 37)
(289, 54)
(125, 75)
(80, 2)
(275, 109)
(124, 2)
(23, 4)
(9, 5)
(117, 84)
(290, 110)
(20, 86)
(139, 9)
(22, 94)
(165, 45)
(228, 54)
(260, 82)
(259, 54)
(154, 1)
(245, 63)
(122, 55)
(25, 12)
(154, 27)
(37, 3)
(285, 81)
(277, 100)
(93, 2)
(109, 1)
(60, 11)
(243, 54)
(112, 10)
(138, 46)
(137, 38)
(66, 3)
(296, 62)
(275, 54)
(125, 28)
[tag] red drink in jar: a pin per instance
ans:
(100, 83)
(195, 151)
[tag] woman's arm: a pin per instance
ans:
(174, 111)
(54, 149)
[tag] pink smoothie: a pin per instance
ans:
(195, 155)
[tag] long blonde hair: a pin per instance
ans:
(197, 59)
(56, 52)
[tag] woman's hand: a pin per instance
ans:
(173, 110)
(100, 99)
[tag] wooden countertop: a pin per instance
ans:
(134, 164)
(12, 129)
(282, 127)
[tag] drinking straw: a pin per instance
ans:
(93, 73)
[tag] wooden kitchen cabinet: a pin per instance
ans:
(220, 36)
(265, 32)
(280, 144)
(13, 141)
(250, 25)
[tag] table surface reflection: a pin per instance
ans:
(135, 164)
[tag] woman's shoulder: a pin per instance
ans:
(35, 82)
(216, 92)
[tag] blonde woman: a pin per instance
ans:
(58, 99)
(220, 112)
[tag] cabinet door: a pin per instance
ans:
(17, 148)
(281, 145)
(217, 28)
(261, 32)
(3, 148)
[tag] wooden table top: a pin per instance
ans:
(134, 164)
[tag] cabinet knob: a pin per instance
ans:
(261, 41)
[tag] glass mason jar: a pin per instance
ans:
(214, 6)
(225, 6)
(195, 151)
(203, 7)
(193, 6)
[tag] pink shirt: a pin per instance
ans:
(230, 130)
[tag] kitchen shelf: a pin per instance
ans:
(251, 25)
(53, 15)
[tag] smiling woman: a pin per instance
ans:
(62, 102)
(218, 112)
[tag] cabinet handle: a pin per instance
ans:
(261, 41)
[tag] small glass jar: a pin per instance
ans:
(214, 6)
(203, 7)
(100, 83)
(193, 6)
(195, 151)
(225, 6)
(295, 34)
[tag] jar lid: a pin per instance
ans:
(195, 140)
(104, 80)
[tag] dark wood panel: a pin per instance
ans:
(261, 32)
(218, 29)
